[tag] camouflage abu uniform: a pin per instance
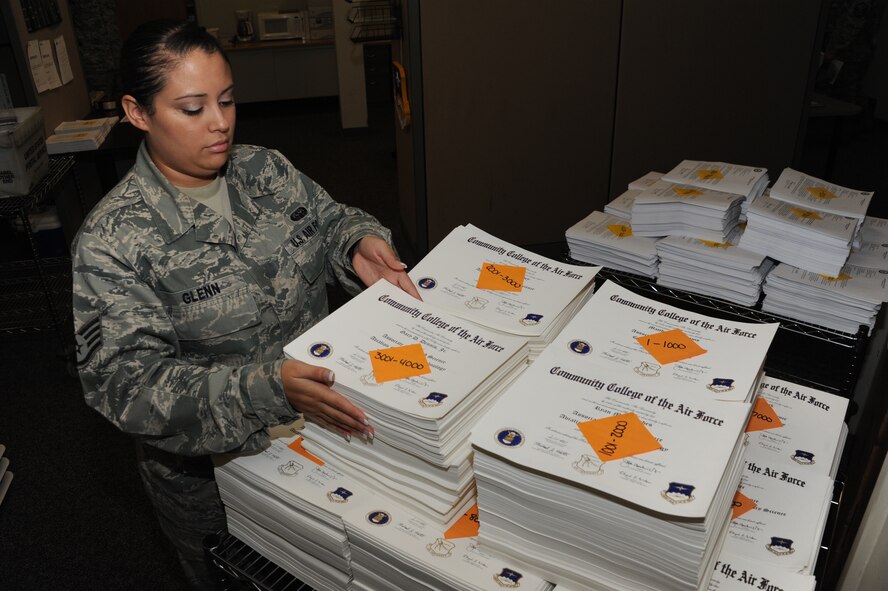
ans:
(181, 320)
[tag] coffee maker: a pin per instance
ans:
(244, 24)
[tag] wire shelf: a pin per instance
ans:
(25, 300)
(58, 168)
(375, 20)
(242, 568)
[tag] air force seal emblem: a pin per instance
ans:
(721, 385)
(379, 518)
(340, 495)
(432, 400)
(805, 458)
(780, 546)
(509, 437)
(531, 319)
(580, 347)
(320, 350)
(427, 283)
(508, 578)
(678, 493)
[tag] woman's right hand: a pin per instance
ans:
(308, 389)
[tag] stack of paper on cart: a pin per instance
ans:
(801, 237)
(749, 181)
(842, 302)
(394, 549)
(739, 573)
(671, 348)
(669, 209)
(779, 514)
(490, 282)
(423, 377)
(872, 252)
(797, 425)
(621, 206)
(810, 192)
(606, 240)
(718, 269)
(555, 493)
(288, 505)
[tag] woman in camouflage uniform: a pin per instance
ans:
(194, 271)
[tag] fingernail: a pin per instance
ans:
(369, 435)
(331, 377)
(367, 422)
(348, 437)
(403, 264)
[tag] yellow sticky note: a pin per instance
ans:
(297, 447)
(709, 174)
(713, 244)
(397, 363)
(805, 214)
(741, 504)
(620, 230)
(613, 438)
(841, 277)
(763, 417)
(670, 346)
(821, 193)
(501, 277)
(466, 526)
(686, 191)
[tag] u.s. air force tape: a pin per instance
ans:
(88, 340)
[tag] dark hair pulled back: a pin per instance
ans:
(153, 49)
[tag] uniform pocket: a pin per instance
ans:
(215, 310)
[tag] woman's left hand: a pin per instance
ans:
(374, 259)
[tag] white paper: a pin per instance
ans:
(49, 66)
(35, 62)
(64, 61)
(748, 181)
(807, 191)
(738, 573)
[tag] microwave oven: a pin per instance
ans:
(281, 25)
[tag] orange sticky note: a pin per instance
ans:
(741, 504)
(821, 193)
(805, 214)
(713, 244)
(501, 277)
(466, 526)
(670, 346)
(709, 174)
(297, 447)
(763, 417)
(686, 191)
(397, 363)
(841, 277)
(613, 438)
(620, 230)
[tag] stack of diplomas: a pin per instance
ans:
(606, 240)
(738, 573)
(805, 238)
(669, 209)
(671, 348)
(492, 283)
(808, 192)
(288, 505)
(800, 426)
(611, 485)
(748, 181)
(718, 269)
(842, 302)
(872, 252)
(779, 515)
(423, 377)
(622, 205)
(395, 550)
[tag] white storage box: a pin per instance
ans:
(23, 158)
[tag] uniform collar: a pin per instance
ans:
(174, 213)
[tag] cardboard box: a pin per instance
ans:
(23, 158)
